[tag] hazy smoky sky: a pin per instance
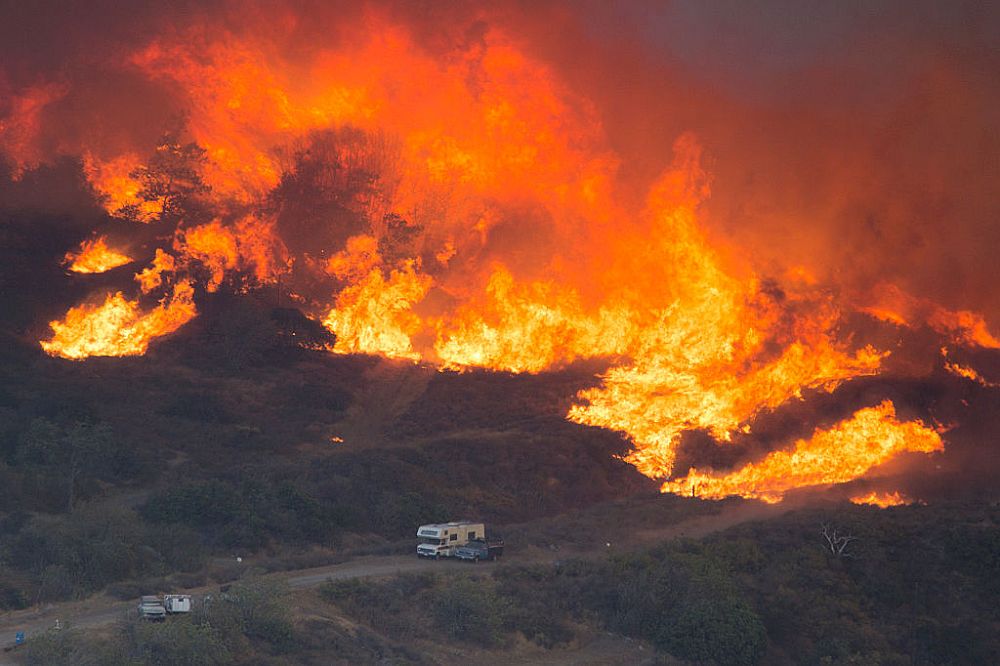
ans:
(861, 139)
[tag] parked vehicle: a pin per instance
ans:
(151, 608)
(480, 549)
(177, 603)
(443, 539)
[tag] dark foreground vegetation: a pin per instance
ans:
(915, 585)
(252, 617)
(918, 585)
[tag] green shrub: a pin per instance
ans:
(469, 610)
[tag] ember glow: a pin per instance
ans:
(94, 256)
(465, 202)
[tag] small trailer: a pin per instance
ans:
(177, 603)
(443, 539)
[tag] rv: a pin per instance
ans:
(443, 539)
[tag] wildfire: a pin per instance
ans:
(374, 316)
(969, 373)
(119, 190)
(94, 256)
(119, 327)
(843, 453)
(473, 214)
(249, 246)
(152, 277)
(528, 328)
(892, 304)
(882, 499)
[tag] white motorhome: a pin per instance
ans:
(443, 539)
(177, 603)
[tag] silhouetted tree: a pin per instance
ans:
(399, 241)
(171, 178)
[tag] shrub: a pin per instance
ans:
(469, 610)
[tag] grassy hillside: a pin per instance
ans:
(226, 437)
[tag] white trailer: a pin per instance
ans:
(177, 603)
(443, 539)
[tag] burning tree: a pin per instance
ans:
(170, 181)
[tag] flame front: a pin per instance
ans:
(882, 499)
(464, 206)
(119, 327)
(94, 256)
(843, 453)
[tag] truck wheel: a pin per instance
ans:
(475, 560)
(437, 555)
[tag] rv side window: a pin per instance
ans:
(454, 537)
(472, 535)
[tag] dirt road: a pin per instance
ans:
(101, 610)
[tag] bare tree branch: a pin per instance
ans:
(837, 543)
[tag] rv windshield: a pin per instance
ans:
(432, 542)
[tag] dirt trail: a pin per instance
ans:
(390, 388)
(696, 528)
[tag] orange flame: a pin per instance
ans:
(843, 453)
(892, 304)
(249, 246)
(152, 277)
(969, 373)
(882, 499)
(94, 256)
(112, 179)
(374, 316)
(119, 327)
(530, 254)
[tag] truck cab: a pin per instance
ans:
(439, 540)
(481, 549)
(151, 608)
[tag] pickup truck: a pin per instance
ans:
(151, 608)
(480, 549)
